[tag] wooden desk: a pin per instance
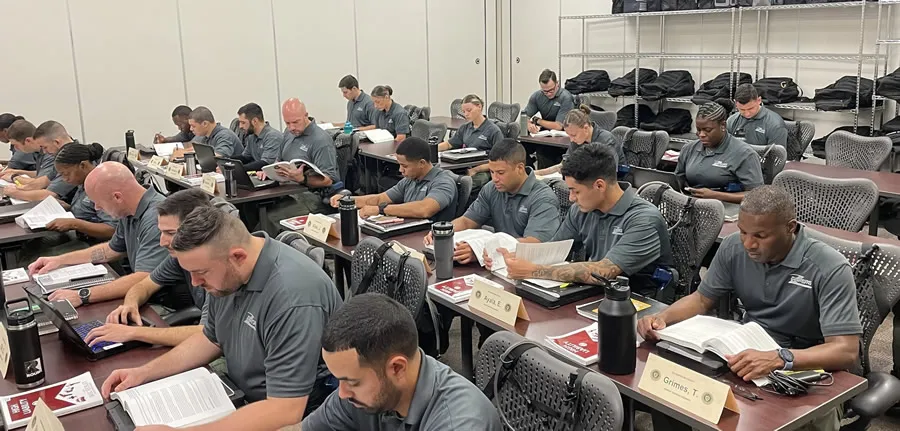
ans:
(374, 155)
(547, 141)
(11, 238)
(450, 122)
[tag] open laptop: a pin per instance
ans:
(206, 156)
(643, 176)
(244, 180)
(74, 332)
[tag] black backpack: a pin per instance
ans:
(777, 90)
(889, 85)
(624, 86)
(717, 88)
(675, 121)
(671, 83)
(625, 116)
(818, 145)
(667, 5)
(842, 94)
(891, 126)
(588, 81)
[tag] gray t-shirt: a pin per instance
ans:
(554, 109)
(224, 141)
(437, 184)
(601, 136)
(83, 208)
(313, 145)
(733, 161)
(484, 137)
(533, 211)
(395, 120)
(270, 330)
(766, 127)
(361, 111)
(442, 401)
(47, 168)
(170, 274)
(22, 160)
(138, 236)
(185, 137)
(809, 295)
(266, 147)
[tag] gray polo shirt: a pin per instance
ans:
(83, 208)
(270, 330)
(395, 120)
(809, 295)
(47, 168)
(442, 401)
(138, 236)
(184, 137)
(766, 127)
(437, 184)
(361, 111)
(313, 145)
(484, 137)
(22, 160)
(224, 141)
(632, 235)
(533, 211)
(266, 147)
(554, 109)
(170, 274)
(733, 161)
(601, 136)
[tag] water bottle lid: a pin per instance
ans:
(20, 317)
(346, 204)
(442, 228)
(228, 165)
(434, 140)
(617, 292)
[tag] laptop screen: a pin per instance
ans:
(206, 156)
(54, 315)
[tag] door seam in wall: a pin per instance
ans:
(75, 70)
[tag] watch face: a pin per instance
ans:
(84, 293)
(786, 355)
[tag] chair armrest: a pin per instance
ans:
(882, 394)
(184, 317)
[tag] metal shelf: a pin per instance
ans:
(659, 55)
(598, 55)
(606, 95)
(686, 138)
(726, 10)
(810, 106)
(795, 56)
(888, 41)
(748, 56)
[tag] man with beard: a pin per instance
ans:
(268, 304)
(262, 144)
(386, 382)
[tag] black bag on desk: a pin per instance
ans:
(889, 85)
(588, 81)
(625, 116)
(777, 90)
(618, 6)
(718, 87)
(842, 94)
(671, 83)
(675, 121)
(624, 86)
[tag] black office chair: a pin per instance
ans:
(561, 190)
(463, 190)
(456, 109)
(115, 155)
(508, 129)
(504, 112)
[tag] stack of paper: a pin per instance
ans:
(38, 217)
(579, 345)
(70, 273)
(166, 150)
(191, 398)
(4, 183)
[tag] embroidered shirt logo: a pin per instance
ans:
(304, 147)
(250, 321)
(359, 109)
(720, 164)
(523, 209)
(390, 121)
(482, 137)
(760, 130)
(556, 104)
(799, 280)
(423, 189)
(617, 230)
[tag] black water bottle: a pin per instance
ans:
(618, 339)
(433, 143)
(129, 140)
(442, 234)
(24, 346)
(230, 180)
(349, 221)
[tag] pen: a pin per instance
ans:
(564, 285)
(88, 277)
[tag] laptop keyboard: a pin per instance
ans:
(83, 330)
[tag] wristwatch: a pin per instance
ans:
(534, 120)
(85, 295)
(381, 208)
(788, 359)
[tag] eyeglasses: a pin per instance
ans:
(550, 91)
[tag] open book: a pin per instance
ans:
(166, 150)
(378, 135)
(59, 277)
(550, 133)
(191, 398)
(722, 337)
(38, 217)
(66, 397)
(547, 253)
(271, 173)
(4, 183)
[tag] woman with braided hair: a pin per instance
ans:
(74, 162)
(718, 165)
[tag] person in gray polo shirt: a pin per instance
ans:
(263, 142)
(180, 117)
(222, 139)
(116, 192)
(49, 137)
(390, 115)
(551, 101)
(582, 130)
(753, 122)
(479, 133)
(360, 108)
(18, 160)
(800, 290)
(425, 192)
(268, 306)
(386, 382)
(718, 166)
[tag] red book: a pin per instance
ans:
(70, 396)
(295, 223)
(458, 289)
(580, 345)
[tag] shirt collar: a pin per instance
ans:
(424, 391)
(432, 174)
(721, 148)
(624, 201)
(760, 114)
(264, 267)
(801, 243)
(148, 196)
(597, 131)
(265, 130)
(361, 97)
(483, 123)
(529, 183)
(216, 130)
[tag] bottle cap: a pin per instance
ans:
(228, 166)
(346, 204)
(20, 317)
(442, 228)
(618, 291)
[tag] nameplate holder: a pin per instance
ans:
(134, 155)
(687, 389)
(4, 350)
(318, 227)
(208, 184)
(155, 162)
(43, 419)
(174, 170)
(497, 303)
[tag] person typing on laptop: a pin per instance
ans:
(222, 139)
(262, 146)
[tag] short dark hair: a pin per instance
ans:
(546, 76)
(181, 111)
(349, 82)
(181, 203)
(590, 162)
(251, 111)
(207, 225)
(201, 114)
(382, 91)
(74, 153)
(508, 150)
(50, 129)
(414, 149)
(6, 120)
(20, 130)
(769, 199)
(376, 326)
(745, 93)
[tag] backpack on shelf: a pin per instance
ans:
(588, 81)
(624, 86)
(668, 5)
(777, 90)
(717, 88)
(889, 85)
(625, 116)
(842, 94)
(671, 83)
(675, 121)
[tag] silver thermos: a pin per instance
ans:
(442, 234)
(24, 346)
(230, 180)
(523, 125)
(190, 164)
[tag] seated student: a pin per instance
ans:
(582, 130)
(180, 117)
(389, 115)
(49, 137)
(425, 192)
(718, 166)
(115, 191)
(166, 279)
(268, 306)
(20, 134)
(18, 159)
(800, 290)
(514, 202)
(263, 142)
(753, 122)
(360, 108)
(551, 101)
(621, 233)
(479, 133)
(303, 140)
(75, 162)
(221, 138)
(386, 382)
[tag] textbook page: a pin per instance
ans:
(747, 336)
(166, 150)
(545, 253)
(378, 135)
(693, 333)
(491, 244)
(272, 174)
(48, 210)
(191, 398)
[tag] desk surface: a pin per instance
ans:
(888, 182)
(451, 123)
(12, 233)
(385, 151)
(550, 141)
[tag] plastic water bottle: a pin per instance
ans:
(348, 128)
(617, 336)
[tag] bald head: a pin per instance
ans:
(114, 189)
(295, 116)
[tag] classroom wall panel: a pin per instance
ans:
(534, 44)
(456, 52)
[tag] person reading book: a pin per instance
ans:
(268, 305)
(75, 162)
(360, 108)
(47, 138)
(386, 382)
(581, 129)
(479, 133)
(425, 192)
(19, 133)
(800, 290)
(620, 233)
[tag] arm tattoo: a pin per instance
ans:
(98, 255)
(578, 272)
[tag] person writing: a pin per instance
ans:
(389, 115)
(582, 130)
(551, 101)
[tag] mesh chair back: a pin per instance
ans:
(807, 133)
(561, 190)
(620, 132)
(606, 119)
(425, 129)
(226, 207)
(235, 127)
(848, 150)
(509, 130)
(835, 203)
(346, 147)
(800, 134)
(504, 112)
(540, 378)
(416, 113)
(299, 242)
(643, 149)
(411, 286)
(463, 190)
(692, 229)
(456, 109)
(114, 155)
(771, 159)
